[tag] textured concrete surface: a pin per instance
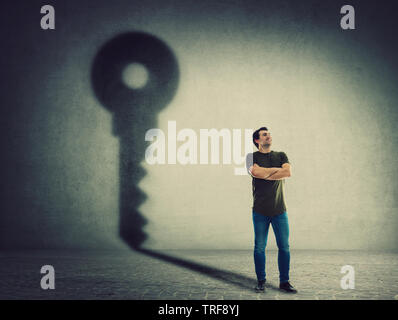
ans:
(194, 275)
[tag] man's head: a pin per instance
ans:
(262, 137)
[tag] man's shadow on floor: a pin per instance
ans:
(215, 273)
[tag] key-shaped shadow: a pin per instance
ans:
(134, 112)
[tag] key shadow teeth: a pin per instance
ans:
(134, 112)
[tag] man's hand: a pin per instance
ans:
(270, 173)
(262, 173)
(284, 172)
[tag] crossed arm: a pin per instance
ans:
(270, 173)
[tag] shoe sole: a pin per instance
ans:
(287, 291)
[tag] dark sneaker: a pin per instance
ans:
(287, 287)
(260, 285)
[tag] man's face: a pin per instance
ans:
(265, 138)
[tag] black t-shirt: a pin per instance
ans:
(268, 198)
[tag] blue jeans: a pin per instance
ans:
(280, 225)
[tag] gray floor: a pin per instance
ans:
(206, 275)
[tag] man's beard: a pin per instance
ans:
(266, 145)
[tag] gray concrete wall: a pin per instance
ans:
(328, 96)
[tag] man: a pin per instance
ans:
(269, 169)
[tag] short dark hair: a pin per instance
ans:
(256, 135)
